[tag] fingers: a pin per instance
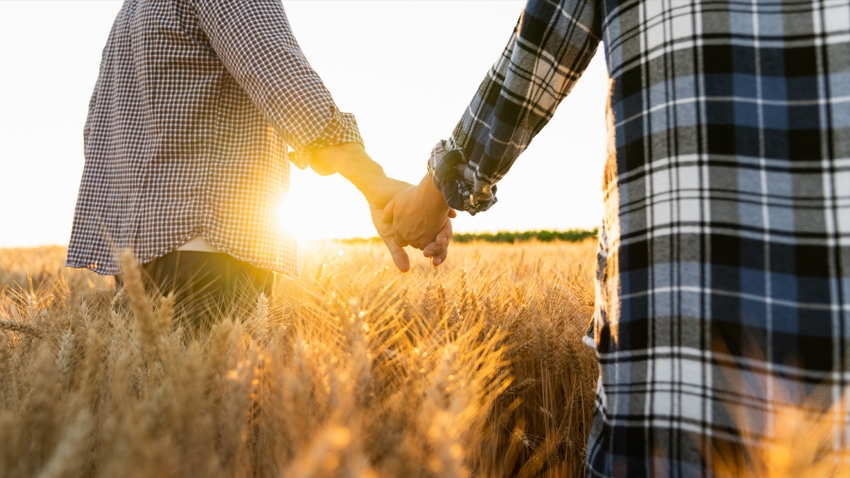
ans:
(445, 234)
(433, 250)
(387, 218)
(434, 241)
(437, 260)
(400, 257)
(439, 249)
(401, 260)
(384, 227)
(437, 252)
(389, 212)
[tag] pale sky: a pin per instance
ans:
(406, 68)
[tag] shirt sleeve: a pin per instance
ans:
(255, 43)
(548, 51)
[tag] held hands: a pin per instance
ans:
(420, 217)
(401, 213)
(397, 211)
(383, 192)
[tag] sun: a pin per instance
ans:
(323, 207)
(300, 221)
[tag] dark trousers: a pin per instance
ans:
(206, 285)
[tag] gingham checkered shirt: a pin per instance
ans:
(723, 286)
(194, 111)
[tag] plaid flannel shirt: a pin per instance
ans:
(723, 287)
(193, 113)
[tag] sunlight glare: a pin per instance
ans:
(292, 221)
(308, 222)
(323, 207)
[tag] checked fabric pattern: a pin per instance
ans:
(194, 111)
(723, 291)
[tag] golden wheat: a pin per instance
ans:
(475, 368)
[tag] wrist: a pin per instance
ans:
(432, 196)
(352, 162)
(369, 178)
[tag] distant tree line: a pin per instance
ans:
(570, 235)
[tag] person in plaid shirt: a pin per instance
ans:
(723, 283)
(189, 129)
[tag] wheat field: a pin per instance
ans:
(475, 368)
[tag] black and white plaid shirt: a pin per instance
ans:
(194, 111)
(724, 265)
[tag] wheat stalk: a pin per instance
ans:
(20, 327)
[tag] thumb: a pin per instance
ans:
(388, 213)
(400, 257)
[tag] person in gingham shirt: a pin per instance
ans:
(723, 286)
(189, 128)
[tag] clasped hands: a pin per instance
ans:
(414, 215)
(402, 214)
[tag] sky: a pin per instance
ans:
(407, 69)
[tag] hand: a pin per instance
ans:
(439, 249)
(382, 194)
(418, 215)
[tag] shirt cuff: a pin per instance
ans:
(341, 129)
(462, 190)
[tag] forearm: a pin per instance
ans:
(352, 162)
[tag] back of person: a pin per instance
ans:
(723, 287)
(726, 281)
(197, 112)
(180, 140)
